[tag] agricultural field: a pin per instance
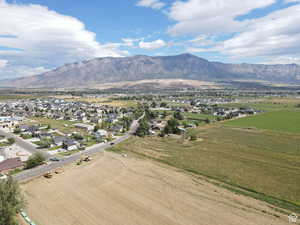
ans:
(284, 121)
(112, 189)
(105, 101)
(269, 105)
(14, 97)
(265, 163)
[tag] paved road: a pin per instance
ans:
(39, 171)
(23, 144)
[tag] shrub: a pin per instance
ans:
(11, 141)
(35, 160)
(17, 131)
(193, 138)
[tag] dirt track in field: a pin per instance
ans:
(112, 190)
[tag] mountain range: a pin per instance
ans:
(100, 71)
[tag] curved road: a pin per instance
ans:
(23, 144)
(39, 171)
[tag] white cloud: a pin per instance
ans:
(291, 1)
(41, 37)
(277, 34)
(154, 4)
(21, 71)
(152, 44)
(211, 16)
(195, 50)
(202, 40)
(3, 63)
(283, 60)
(131, 42)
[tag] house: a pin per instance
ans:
(101, 134)
(58, 140)
(69, 144)
(83, 126)
(29, 129)
(10, 164)
(117, 128)
(45, 135)
(96, 120)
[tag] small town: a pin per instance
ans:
(60, 128)
(149, 112)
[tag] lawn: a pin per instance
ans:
(263, 162)
(199, 116)
(285, 121)
(64, 126)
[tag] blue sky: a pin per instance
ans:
(39, 35)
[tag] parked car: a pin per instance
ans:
(54, 159)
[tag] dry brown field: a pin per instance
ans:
(113, 190)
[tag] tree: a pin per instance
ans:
(163, 104)
(178, 116)
(35, 160)
(143, 129)
(207, 121)
(77, 136)
(126, 122)
(172, 127)
(11, 201)
(164, 114)
(96, 128)
(153, 105)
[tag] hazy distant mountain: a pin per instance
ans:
(135, 68)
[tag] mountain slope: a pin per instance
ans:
(135, 68)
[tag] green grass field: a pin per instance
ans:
(199, 116)
(269, 105)
(58, 124)
(264, 162)
(284, 121)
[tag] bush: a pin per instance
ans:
(193, 138)
(77, 136)
(35, 160)
(17, 131)
(11, 141)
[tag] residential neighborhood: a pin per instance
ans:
(56, 127)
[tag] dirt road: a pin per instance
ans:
(112, 190)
